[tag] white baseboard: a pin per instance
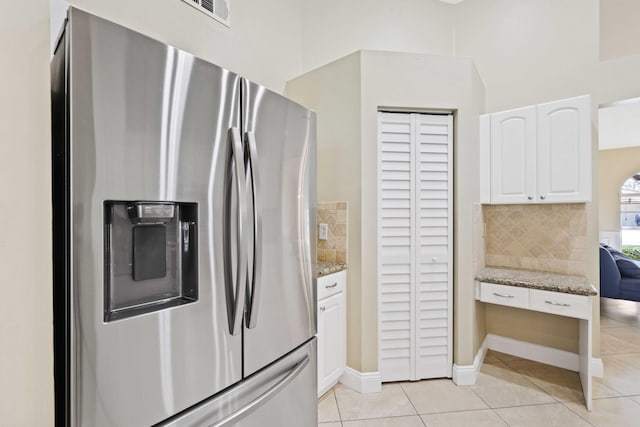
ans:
(526, 350)
(362, 382)
(467, 374)
(597, 368)
(538, 353)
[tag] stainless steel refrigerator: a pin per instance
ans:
(184, 201)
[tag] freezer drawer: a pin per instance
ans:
(276, 396)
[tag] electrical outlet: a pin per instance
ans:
(323, 231)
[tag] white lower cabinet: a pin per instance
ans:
(332, 330)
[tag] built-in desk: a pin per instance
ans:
(559, 294)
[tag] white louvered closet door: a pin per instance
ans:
(415, 245)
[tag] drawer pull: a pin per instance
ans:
(331, 286)
(322, 308)
(502, 295)
(558, 304)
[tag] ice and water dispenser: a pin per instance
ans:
(151, 257)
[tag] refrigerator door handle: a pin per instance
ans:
(239, 288)
(233, 418)
(253, 280)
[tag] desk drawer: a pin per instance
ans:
(512, 296)
(331, 284)
(562, 304)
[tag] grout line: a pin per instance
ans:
(500, 417)
(412, 405)
(337, 406)
(575, 412)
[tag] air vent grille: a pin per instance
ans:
(217, 9)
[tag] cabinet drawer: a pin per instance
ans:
(504, 295)
(331, 284)
(562, 304)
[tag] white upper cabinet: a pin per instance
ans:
(564, 150)
(537, 154)
(513, 155)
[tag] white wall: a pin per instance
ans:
(263, 43)
(619, 29)
(57, 15)
(619, 126)
(332, 29)
(26, 356)
(530, 51)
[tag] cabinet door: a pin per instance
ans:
(564, 151)
(513, 156)
(331, 341)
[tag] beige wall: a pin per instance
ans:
(616, 166)
(333, 91)
(405, 81)
(26, 357)
(334, 28)
(431, 82)
(263, 43)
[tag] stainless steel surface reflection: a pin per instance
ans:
(143, 128)
(283, 134)
(141, 125)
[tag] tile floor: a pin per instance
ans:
(509, 391)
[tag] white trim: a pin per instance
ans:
(611, 238)
(467, 374)
(597, 367)
(538, 353)
(362, 382)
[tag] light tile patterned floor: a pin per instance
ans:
(510, 391)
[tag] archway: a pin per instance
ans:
(630, 216)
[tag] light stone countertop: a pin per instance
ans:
(326, 267)
(554, 282)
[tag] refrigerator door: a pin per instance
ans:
(151, 123)
(280, 153)
(275, 397)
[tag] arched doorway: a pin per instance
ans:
(630, 216)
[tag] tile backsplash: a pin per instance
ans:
(334, 249)
(549, 237)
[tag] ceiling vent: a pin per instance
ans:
(217, 9)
